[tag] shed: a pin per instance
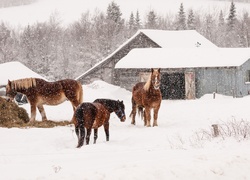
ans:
(189, 73)
(145, 38)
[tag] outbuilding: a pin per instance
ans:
(188, 73)
(145, 38)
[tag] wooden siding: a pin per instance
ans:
(229, 81)
(105, 71)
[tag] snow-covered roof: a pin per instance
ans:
(165, 39)
(15, 70)
(184, 57)
(178, 39)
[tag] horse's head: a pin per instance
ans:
(120, 111)
(10, 90)
(156, 78)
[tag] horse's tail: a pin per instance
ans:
(141, 112)
(133, 106)
(78, 120)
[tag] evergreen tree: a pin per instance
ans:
(114, 26)
(231, 37)
(221, 31)
(151, 20)
(27, 45)
(181, 24)
(131, 22)
(209, 27)
(221, 20)
(114, 14)
(231, 20)
(137, 20)
(191, 20)
(244, 34)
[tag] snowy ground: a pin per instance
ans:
(170, 151)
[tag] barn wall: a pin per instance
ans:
(243, 81)
(105, 71)
(219, 80)
(127, 78)
(226, 81)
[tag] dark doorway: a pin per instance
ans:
(173, 86)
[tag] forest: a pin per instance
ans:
(57, 52)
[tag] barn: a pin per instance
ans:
(189, 73)
(145, 38)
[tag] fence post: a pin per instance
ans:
(216, 130)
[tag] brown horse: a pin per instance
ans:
(94, 115)
(147, 96)
(40, 92)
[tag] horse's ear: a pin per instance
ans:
(9, 82)
(152, 70)
(159, 70)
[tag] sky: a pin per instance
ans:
(69, 11)
(177, 149)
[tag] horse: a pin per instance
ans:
(94, 115)
(147, 96)
(40, 92)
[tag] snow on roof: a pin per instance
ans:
(15, 70)
(184, 57)
(178, 39)
(165, 39)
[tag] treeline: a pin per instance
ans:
(58, 52)
(10, 3)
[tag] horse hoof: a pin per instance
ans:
(78, 146)
(148, 125)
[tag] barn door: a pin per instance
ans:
(190, 85)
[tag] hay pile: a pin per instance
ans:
(11, 115)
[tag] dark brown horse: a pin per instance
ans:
(94, 115)
(147, 96)
(40, 92)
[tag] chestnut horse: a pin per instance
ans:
(147, 96)
(94, 115)
(40, 92)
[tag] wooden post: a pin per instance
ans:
(214, 95)
(216, 130)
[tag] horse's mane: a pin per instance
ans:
(147, 84)
(23, 83)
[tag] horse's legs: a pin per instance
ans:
(77, 131)
(95, 135)
(74, 108)
(155, 116)
(88, 135)
(80, 132)
(133, 112)
(33, 112)
(144, 118)
(42, 112)
(106, 129)
(147, 116)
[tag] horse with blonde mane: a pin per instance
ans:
(40, 92)
(147, 96)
